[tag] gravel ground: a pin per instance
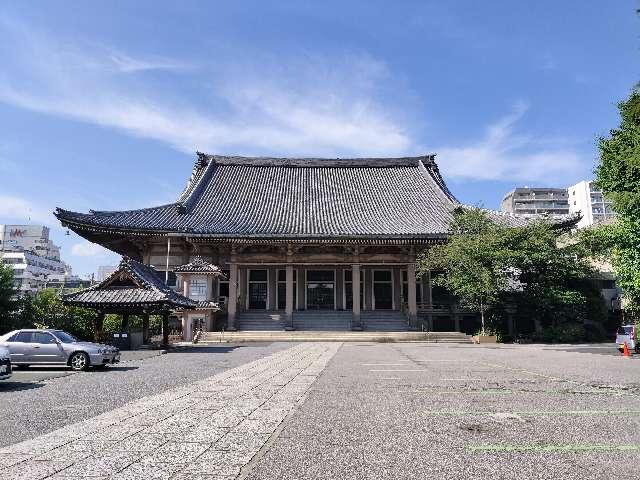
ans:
(395, 411)
(40, 400)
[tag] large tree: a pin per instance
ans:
(7, 295)
(472, 261)
(540, 267)
(618, 174)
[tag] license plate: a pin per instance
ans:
(4, 369)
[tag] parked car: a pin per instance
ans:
(629, 335)
(56, 347)
(5, 364)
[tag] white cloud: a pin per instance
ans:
(322, 106)
(24, 211)
(503, 154)
(87, 249)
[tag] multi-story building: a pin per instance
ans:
(585, 198)
(532, 201)
(32, 238)
(35, 259)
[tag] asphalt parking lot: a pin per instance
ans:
(335, 411)
(404, 411)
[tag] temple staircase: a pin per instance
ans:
(384, 321)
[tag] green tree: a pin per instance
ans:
(48, 311)
(8, 302)
(618, 174)
(472, 259)
(539, 267)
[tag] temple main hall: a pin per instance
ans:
(302, 243)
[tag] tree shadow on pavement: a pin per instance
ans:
(9, 386)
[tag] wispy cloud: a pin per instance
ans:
(315, 106)
(504, 154)
(24, 211)
(127, 64)
(331, 115)
(88, 249)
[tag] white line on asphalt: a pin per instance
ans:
(396, 370)
(384, 364)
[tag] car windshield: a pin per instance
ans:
(64, 337)
(625, 330)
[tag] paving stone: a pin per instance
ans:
(33, 470)
(9, 459)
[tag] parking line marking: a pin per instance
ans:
(396, 370)
(571, 448)
(384, 364)
(533, 412)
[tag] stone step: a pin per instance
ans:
(310, 336)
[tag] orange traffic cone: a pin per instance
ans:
(625, 350)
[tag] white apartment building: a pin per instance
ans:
(585, 198)
(535, 201)
(35, 259)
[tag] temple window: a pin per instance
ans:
(198, 288)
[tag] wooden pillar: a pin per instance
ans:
(428, 294)
(165, 328)
(145, 328)
(185, 285)
(411, 294)
(124, 326)
(356, 323)
(301, 286)
(98, 327)
(289, 298)
(232, 307)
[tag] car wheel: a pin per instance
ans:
(79, 361)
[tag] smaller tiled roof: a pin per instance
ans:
(200, 265)
(515, 220)
(133, 284)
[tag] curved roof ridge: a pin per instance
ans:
(363, 162)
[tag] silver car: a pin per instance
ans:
(55, 347)
(5, 364)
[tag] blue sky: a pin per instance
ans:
(103, 104)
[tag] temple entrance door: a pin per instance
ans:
(258, 291)
(382, 290)
(321, 290)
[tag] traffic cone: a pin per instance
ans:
(625, 350)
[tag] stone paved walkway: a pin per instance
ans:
(209, 430)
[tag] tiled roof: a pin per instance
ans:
(294, 198)
(253, 198)
(515, 220)
(199, 265)
(133, 284)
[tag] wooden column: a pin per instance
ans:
(165, 328)
(124, 326)
(411, 294)
(428, 299)
(98, 327)
(145, 328)
(232, 307)
(356, 324)
(185, 285)
(289, 298)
